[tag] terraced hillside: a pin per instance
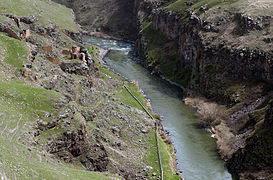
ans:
(63, 118)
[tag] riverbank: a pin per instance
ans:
(225, 66)
(165, 144)
(180, 127)
(164, 135)
(60, 110)
(211, 116)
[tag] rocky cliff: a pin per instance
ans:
(223, 52)
(117, 18)
(255, 159)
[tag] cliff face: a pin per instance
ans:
(223, 53)
(256, 158)
(117, 17)
(202, 44)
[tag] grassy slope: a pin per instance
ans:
(21, 104)
(181, 6)
(165, 153)
(46, 11)
(151, 156)
(14, 51)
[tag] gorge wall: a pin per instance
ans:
(223, 53)
(117, 17)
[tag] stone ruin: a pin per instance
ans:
(23, 34)
(77, 53)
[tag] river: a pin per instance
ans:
(196, 151)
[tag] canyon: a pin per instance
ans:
(221, 52)
(63, 116)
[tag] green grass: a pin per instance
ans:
(94, 52)
(19, 106)
(4, 19)
(165, 156)
(108, 72)
(152, 157)
(127, 99)
(180, 5)
(13, 51)
(33, 98)
(46, 11)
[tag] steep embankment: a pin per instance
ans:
(117, 18)
(222, 51)
(63, 118)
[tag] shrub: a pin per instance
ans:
(210, 113)
(166, 138)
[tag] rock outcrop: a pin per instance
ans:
(117, 17)
(256, 158)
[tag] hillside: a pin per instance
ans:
(63, 118)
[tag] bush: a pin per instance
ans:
(210, 113)
(166, 138)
